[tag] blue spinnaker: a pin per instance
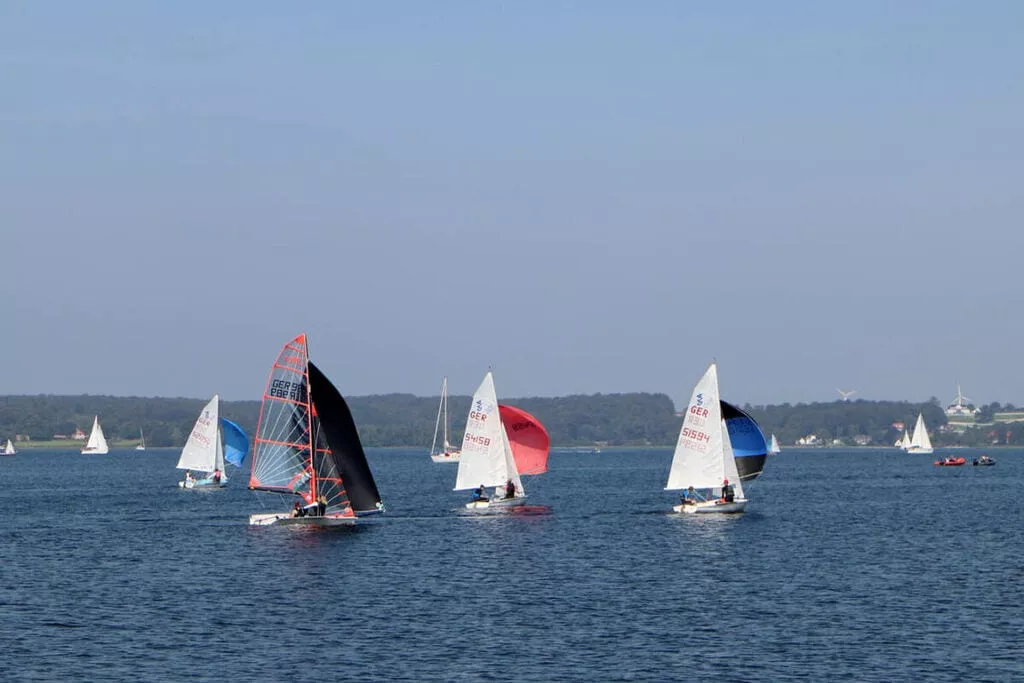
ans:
(236, 443)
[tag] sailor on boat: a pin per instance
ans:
(510, 489)
(728, 495)
(688, 497)
(480, 493)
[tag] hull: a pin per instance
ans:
(497, 504)
(712, 507)
(920, 451)
(990, 463)
(445, 457)
(203, 484)
(951, 462)
(286, 519)
(95, 451)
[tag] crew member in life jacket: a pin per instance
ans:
(480, 493)
(510, 489)
(216, 476)
(727, 493)
(689, 497)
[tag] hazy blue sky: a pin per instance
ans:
(589, 196)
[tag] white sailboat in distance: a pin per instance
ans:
(446, 453)
(142, 441)
(97, 443)
(920, 442)
(703, 463)
(773, 448)
(8, 449)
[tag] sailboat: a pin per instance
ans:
(489, 457)
(903, 443)
(920, 443)
(97, 443)
(774, 447)
(307, 446)
(214, 441)
(8, 449)
(142, 442)
(446, 453)
(703, 461)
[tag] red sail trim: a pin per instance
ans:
(292, 352)
(529, 440)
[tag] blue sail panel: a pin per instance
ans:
(236, 443)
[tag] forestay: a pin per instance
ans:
(486, 454)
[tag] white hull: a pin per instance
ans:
(95, 451)
(202, 484)
(446, 457)
(140, 448)
(496, 503)
(286, 519)
(712, 507)
(920, 451)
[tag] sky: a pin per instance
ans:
(585, 196)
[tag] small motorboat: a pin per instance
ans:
(950, 461)
(984, 461)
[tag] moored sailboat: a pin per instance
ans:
(703, 462)
(307, 446)
(213, 442)
(491, 459)
(446, 453)
(97, 443)
(8, 449)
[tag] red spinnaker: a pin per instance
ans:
(529, 440)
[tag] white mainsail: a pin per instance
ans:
(142, 441)
(920, 442)
(703, 457)
(9, 448)
(97, 442)
(204, 450)
(774, 447)
(486, 454)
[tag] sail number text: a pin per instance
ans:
(696, 435)
(473, 439)
(280, 388)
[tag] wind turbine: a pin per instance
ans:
(846, 394)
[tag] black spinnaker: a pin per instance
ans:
(342, 437)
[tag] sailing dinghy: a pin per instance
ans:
(307, 446)
(446, 453)
(8, 449)
(501, 443)
(142, 441)
(774, 447)
(703, 460)
(97, 443)
(214, 441)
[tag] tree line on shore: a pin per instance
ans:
(634, 419)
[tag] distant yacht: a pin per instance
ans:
(142, 442)
(8, 449)
(920, 443)
(97, 444)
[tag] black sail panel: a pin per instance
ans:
(340, 430)
(749, 446)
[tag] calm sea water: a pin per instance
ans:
(849, 565)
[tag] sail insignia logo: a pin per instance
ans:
(700, 399)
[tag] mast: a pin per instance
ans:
(444, 402)
(309, 427)
(437, 421)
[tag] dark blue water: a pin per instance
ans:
(849, 565)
